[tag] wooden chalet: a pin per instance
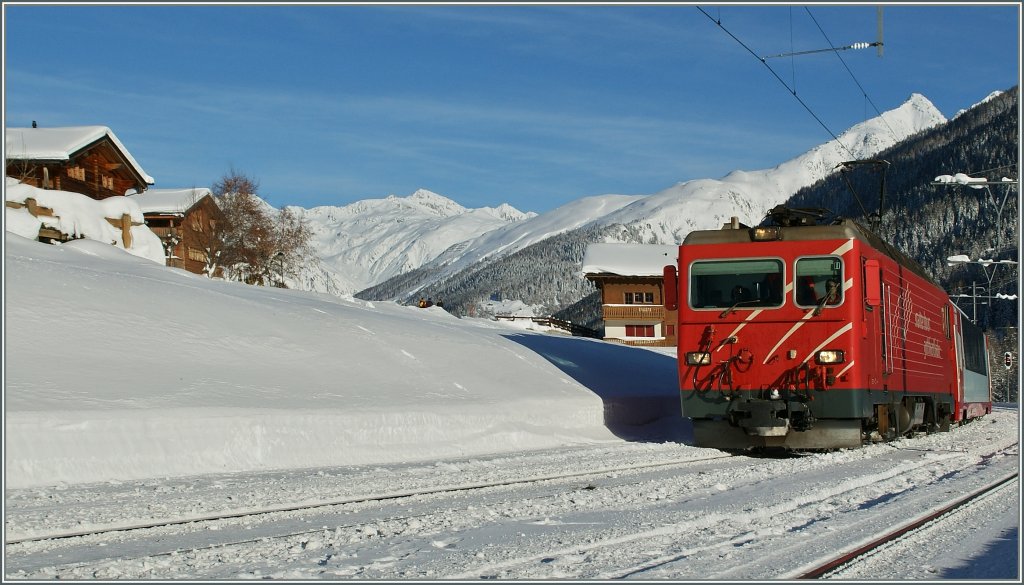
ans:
(82, 159)
(629, 277)
(185, 220)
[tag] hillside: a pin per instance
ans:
(368, 241)
(551, 280)
(933, 222)
(928, 222)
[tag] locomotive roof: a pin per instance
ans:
(844, 230)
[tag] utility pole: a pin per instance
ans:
(981, 183)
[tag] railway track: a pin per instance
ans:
(667, 519)
(854, 555)
(310, 506)
(790, 513)
(99, 527)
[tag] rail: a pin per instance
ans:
(851, 555)
(358, 498)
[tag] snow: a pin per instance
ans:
(367, 242)
(80, 216)
(962, 179)
(629, 259)
(670, 215)
(151, 371)
(61, 143)
(988, 98)
(169, 200)
(137, 393)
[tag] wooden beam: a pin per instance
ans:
(126, 230)
(33, 208)
(53, 234)
(119, 221)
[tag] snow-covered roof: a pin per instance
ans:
(169, 200)
(628, 259)
(61, 143)
(80, 216)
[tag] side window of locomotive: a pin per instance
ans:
(720, 284)
(819, 281)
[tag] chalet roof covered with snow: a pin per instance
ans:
(61, 143)
(628, 259)
(169, 200)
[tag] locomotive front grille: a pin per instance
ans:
(769, 418)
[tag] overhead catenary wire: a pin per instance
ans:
(1004, 167)
(792, 61)
(854, 77)
(782, 81)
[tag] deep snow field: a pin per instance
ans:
(136, 393)
(119, 368)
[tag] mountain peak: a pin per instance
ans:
(508, 213)
(436, 204)
(987, 99)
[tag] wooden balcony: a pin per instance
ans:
(640, 342)
(644, 312)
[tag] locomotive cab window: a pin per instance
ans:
(819, 282)
(721, 284)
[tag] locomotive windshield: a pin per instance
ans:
(721, 284)
(819, 281)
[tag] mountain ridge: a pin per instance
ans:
(662, 218)
(425, 238)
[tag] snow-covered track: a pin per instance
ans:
(362, 498)
(696, 537)
(641, 511)
(829, 568)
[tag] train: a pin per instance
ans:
(814, 333)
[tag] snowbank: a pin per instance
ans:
(80, 216)
(118, 368)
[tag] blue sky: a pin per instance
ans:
(531, 105)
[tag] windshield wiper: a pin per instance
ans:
(726, 312)
(830, 296)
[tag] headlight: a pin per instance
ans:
(831, 356)
(698, 358)
(766, 234)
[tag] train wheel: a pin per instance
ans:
(903, 427)
(885, 419)
(931, 417)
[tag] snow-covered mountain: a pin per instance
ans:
(373, 240)
(667, 217)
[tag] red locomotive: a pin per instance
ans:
(807, 334)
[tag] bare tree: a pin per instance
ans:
(294, 247)
(235, 182)
(246, 232)
(255, 246)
